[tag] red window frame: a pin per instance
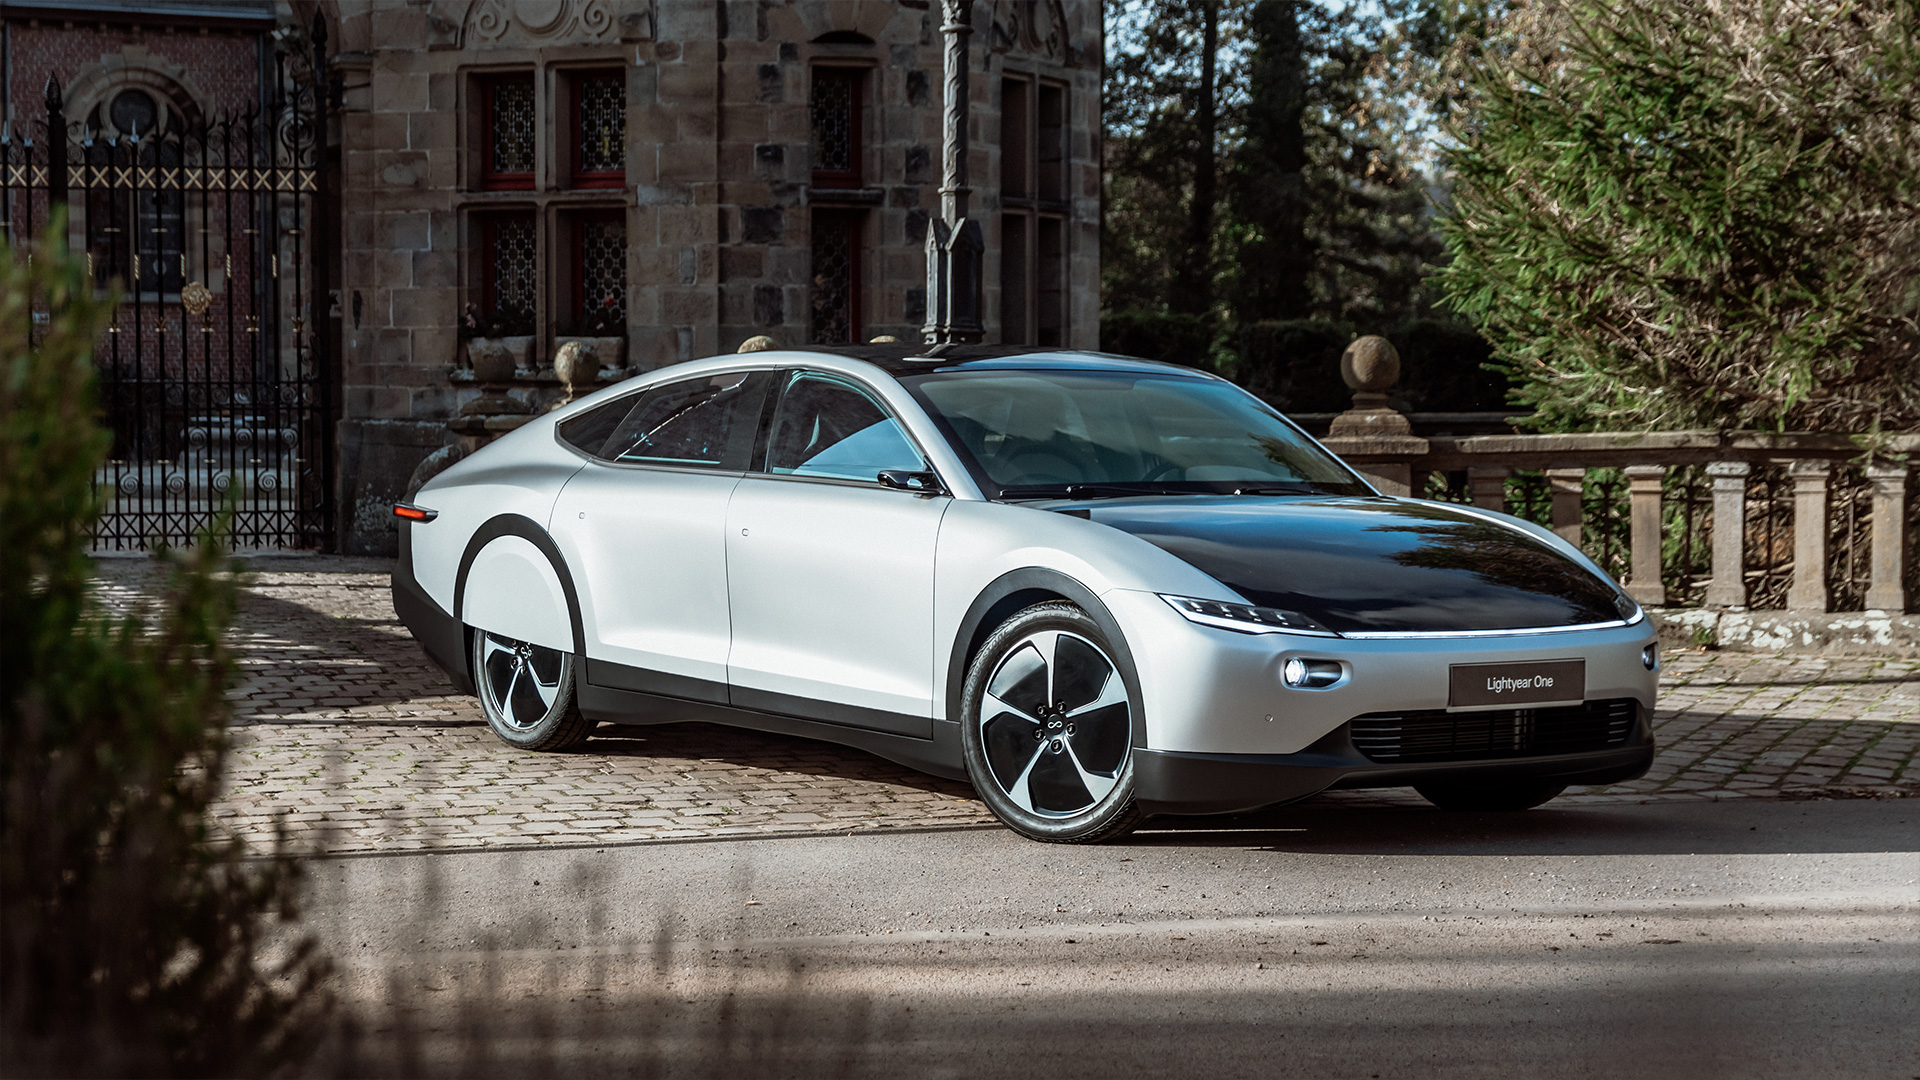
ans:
(577, 176)
(490, 179)
(851, 177)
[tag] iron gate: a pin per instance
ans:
(216, 376)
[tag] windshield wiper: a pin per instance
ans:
(1091, 491)
(1297, 488)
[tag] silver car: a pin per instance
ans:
(1097, 588)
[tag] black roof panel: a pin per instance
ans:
(900, 359)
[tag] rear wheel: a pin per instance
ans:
(526, 692)
(1510, 795)
(1047, 728)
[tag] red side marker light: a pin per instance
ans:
(414, 513)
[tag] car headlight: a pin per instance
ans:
(1245, 618)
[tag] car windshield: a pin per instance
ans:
(1039, 434)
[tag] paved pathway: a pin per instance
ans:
(348, 734)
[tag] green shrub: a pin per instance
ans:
(1154, 335)
(1295, 363)
(129, 934)
(1443, 368)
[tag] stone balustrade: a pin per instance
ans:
(1400, 463)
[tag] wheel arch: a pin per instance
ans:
(517, 525)
(1015, 591)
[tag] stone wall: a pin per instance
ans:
(718, 199)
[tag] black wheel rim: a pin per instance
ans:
(1056, 724)
(520, 680)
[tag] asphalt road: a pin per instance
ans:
(1748, 937)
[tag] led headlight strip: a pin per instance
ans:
(1246, 618)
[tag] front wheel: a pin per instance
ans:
(1047, 721)
(1512, 795)
(526, 692)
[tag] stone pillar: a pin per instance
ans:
(955, 248)
(1809, 589)
(1565, 484)
(1644, 582)
(1374, 438)
(1886, 589)
(1489, 486)
(1729, 585)
(1370, 366)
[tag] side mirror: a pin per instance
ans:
(920, 483)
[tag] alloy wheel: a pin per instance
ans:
(1056, 724)
(521, 680)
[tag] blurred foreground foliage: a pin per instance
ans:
(1670, 217)
(131, 937)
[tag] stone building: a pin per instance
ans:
(670, 177)
(684, 175)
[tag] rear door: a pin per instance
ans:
(830, 573)
(643, 527)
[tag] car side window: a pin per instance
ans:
(829, 428)
(694, 422)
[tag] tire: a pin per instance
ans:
(1058, 770)
(526, 692)
(1513, 795)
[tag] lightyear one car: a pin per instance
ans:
(1098, 588)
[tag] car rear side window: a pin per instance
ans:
(700, 422)
(827, 428)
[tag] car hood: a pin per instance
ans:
(1371, 564)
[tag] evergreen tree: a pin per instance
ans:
(1665, 217)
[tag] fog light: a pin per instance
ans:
(1309, 674)
(1650, 656)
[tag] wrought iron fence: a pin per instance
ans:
(216, 376)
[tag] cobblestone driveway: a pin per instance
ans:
(350, 735)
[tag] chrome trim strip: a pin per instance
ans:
(1531, 631)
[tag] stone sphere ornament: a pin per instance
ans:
(1371, 364)
(577, 365)
(757, 343)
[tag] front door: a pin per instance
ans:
(830, 573)
(642, 525)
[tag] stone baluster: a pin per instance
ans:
(1886, 589)
(1809, 589)
(1728, 588)
(1643, 488)
(1565, 485)
(1489, 486)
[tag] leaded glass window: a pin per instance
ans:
(600, 121)
(836, 278)
(509, 141)
(511, 270)
(602, 244)
(836, 126)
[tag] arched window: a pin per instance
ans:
(137, 232)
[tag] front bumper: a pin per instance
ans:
(1172, 782)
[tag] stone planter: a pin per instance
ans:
(496, 359)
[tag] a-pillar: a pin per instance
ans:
(1565, 486)
(1728, 588)
(1809, 589)
(1886, 588)
(1643, 489)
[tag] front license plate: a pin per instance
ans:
(1533, 682)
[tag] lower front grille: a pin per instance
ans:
(1438, 735)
